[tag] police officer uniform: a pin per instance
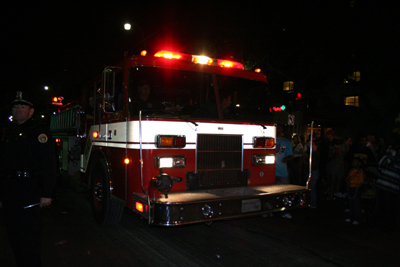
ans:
(27, 168)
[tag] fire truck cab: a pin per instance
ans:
(177, 139)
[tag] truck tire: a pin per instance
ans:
(105, 209)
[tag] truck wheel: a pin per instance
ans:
(105, 210)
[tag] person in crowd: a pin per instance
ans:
(355, 180)
(28, 170)
(347, 149)
(388, 185)
(90, 108)
(362, 148)
(318, 137)
(284, 154)
(296, 163)
(371, 144)
(315, 161)
(327, 149)
(383, 146)
(339, 184)
(335, 163)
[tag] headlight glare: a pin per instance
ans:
(263, 159)
(168, 162)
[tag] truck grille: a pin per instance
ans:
(217, 152)
(218, 162)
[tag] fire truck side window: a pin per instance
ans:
(112, 82)
(108, 90)
(118, 99)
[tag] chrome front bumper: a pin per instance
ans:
(217, 204)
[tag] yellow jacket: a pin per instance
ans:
(355, 178)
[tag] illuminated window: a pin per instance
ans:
(351, 101)
(288, 86)
(355, 76)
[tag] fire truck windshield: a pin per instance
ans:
(160, 92)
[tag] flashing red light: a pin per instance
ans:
(139, 207)
(57, 100)
(230, 64)
(280, 108)
(168, 54)
(202, 60)
(199, 59)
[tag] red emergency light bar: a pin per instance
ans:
(230, 64)
(173, 55)
(199, 59)
(57, 101)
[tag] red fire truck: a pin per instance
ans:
(176, 138)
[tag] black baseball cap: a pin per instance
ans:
(23, 98)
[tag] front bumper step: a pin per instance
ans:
(226, 203)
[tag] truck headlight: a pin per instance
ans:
(263, 159)
(168, 162)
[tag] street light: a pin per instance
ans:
(128, 27)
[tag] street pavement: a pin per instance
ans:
(319, 237)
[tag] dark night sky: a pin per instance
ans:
(63, 45)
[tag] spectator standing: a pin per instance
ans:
(318, 137)
(348, 154)
(339, 184)
(388, 185)
(89, 110)
(362, 148)
(355, 180)
(335, 163)
(284, 154)
(296, 163)
(327, 150)
(315, 161)
(383, 146)
(371, 144)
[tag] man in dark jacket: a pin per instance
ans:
(27, 168)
